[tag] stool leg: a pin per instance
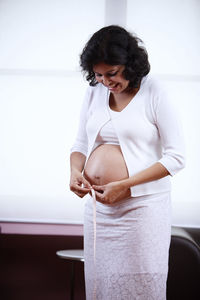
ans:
(72, 282)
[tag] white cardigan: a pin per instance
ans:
(147, 128)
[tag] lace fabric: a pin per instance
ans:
(129, 287)
(132, 245)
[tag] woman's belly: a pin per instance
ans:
(106, 164)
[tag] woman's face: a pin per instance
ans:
(111, 77)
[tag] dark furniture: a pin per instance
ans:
(184, 266)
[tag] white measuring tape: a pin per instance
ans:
(95, 234)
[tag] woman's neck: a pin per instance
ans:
(119, 101)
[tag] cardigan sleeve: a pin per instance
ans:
(171, 134)
(81, 141)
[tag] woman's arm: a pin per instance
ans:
(78, 184)
(155, 172)
(111, 192)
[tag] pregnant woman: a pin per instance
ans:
(129, 143)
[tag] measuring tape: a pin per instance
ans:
(94, 245)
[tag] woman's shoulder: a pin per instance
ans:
(97, 93)
(95, 96)
(156, 89)
(159, 94)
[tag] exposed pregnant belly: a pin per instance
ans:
(106, 164)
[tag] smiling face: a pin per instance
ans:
(111, 77)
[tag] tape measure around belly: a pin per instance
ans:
(94, 245)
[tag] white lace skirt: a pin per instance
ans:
(132, 247)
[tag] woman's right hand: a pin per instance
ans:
(78, 184)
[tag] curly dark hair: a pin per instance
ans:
(113, 45)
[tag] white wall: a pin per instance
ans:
(41, 89)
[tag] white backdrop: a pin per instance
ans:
(41, 90)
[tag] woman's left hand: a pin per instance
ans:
(111, 192)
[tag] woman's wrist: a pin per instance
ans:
(126, 184)
(77, 161)
(75, 170)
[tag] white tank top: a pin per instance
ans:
(107, 134)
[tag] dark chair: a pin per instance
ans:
(184, 267)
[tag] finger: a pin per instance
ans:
(82, 188)
(80, 194)
(98, 187)
(103, 201)
(86, 183)
(79, 189)
(100, 197)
